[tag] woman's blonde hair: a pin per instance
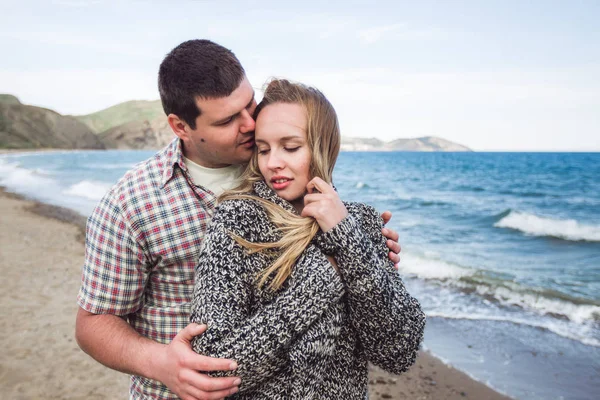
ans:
(323, 139)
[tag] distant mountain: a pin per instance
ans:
(9, 99)
(138, 125)
(122, 113)
(29, 127)
(427, 143)
(140, 135)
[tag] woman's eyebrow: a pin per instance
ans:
(283, 139)
(290, 138)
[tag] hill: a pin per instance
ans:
(122, 113)
(139, 135)
(29, 127)
(427, 143)
(138, 125)
(9, 99)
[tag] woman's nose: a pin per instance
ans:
(275, 161)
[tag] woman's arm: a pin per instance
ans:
(224, 300)
(388, 321)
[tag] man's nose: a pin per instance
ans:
(247, 124)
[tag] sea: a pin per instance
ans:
(501, 249)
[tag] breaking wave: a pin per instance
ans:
(533, 225)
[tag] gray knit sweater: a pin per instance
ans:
(311, 339)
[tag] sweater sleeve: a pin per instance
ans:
(257, 338)
(388, 321)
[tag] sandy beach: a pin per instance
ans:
(41, 251)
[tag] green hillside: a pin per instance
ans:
(8, 99)
(135, 110)
(30, 127)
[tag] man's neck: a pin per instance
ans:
(197, 159)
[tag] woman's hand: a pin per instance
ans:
(323, 204)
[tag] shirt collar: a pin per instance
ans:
(173, 156)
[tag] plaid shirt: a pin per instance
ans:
(142, 246)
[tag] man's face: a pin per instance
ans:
(224, 133)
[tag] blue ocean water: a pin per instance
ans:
(501, 249)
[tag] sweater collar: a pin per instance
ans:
(262, 190)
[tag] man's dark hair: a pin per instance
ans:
(196, 68)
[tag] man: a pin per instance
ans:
(144, 238)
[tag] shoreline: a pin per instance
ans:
(40, 289)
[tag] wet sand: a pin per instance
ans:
(41, 252)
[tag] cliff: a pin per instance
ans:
(122, 113)
(9, 99)
(139, 125)
(139, 135)
(29, 127)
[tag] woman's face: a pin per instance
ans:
(283, 153)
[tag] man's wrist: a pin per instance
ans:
(151, 361)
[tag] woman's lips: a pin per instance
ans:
(280, 183)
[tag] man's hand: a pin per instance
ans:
(392, 239)
(178, 368)
(111, 341)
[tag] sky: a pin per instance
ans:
(491, 75)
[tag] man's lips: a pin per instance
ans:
(280, 182)
(248, 143)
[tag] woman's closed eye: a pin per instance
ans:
(263, 151)
(291, 149)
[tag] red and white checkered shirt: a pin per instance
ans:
(142, 246)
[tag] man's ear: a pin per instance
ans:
(179, 127)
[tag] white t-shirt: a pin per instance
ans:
(217, 180)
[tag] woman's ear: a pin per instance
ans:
(179, 127)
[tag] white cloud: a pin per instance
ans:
(494, 110)
(79, 91)
(372, 35)
(76, 3)
(485, 110)
(396, 32)
(92, 43)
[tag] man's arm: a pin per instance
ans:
(114, 281)
(110, 340)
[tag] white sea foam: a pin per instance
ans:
(13, 176)
(540, 304)
(449, 303)
(456, 280)
(561, 328)
(534, 225)
(41, 171)
(431, 268)
(360, 185)
(121, 166)
(93, 190)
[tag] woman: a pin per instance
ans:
(294, 284)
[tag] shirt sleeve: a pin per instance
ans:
(257, 338)
(114, 274)
(388, 321)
